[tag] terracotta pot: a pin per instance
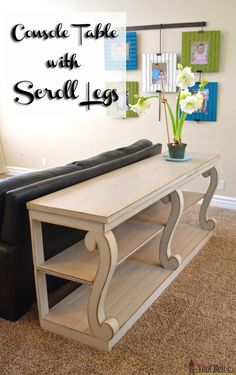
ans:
(176, 151)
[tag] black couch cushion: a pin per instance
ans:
(16, 279)
(15, 227)
(16, 266)
(113, 154)
(15, 182)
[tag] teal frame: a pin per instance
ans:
(210, 114)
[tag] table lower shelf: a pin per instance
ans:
(135, 286)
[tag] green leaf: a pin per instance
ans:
(152, 97)
(172, 119)
(177, 111)
(181, 123)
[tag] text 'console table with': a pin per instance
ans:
(134, 248)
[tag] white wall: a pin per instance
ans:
(77, 136)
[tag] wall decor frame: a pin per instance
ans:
(209, 110)
(152, 65)
(121, 52)
(126, 92)
(131, 58)
(115, 50)
(200, 49)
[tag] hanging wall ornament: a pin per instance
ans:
(208, 111)
(153, 65)
(121, 52)
(131, 50)
(200, 49)
(126, 92)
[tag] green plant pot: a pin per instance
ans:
(176, 151)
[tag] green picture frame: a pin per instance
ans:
(132, 89)
(126, 92)
(201, 50)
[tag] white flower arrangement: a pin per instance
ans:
(186, 101)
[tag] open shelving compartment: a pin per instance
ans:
(138, 279)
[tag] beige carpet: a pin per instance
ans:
(193, 319)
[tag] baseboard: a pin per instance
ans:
(224, 202)
(15, 171)
(3, 170)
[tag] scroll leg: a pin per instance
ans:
(167, 260)
(208, 224)
(102, 326)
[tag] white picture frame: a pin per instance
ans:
(170, 59)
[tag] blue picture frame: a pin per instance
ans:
(131, 59)
(120, 55)
(209, 110)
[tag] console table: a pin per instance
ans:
(134, 248)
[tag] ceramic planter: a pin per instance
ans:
(177, 151)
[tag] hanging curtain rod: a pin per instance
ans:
(167, 26)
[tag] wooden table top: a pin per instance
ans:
(102, 198)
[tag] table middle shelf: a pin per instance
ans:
(78, 264)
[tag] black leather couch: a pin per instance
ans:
(17, 290)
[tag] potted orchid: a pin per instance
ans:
(186, 103)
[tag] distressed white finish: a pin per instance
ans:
(147, 59)
(114, 197)
(132, 219)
